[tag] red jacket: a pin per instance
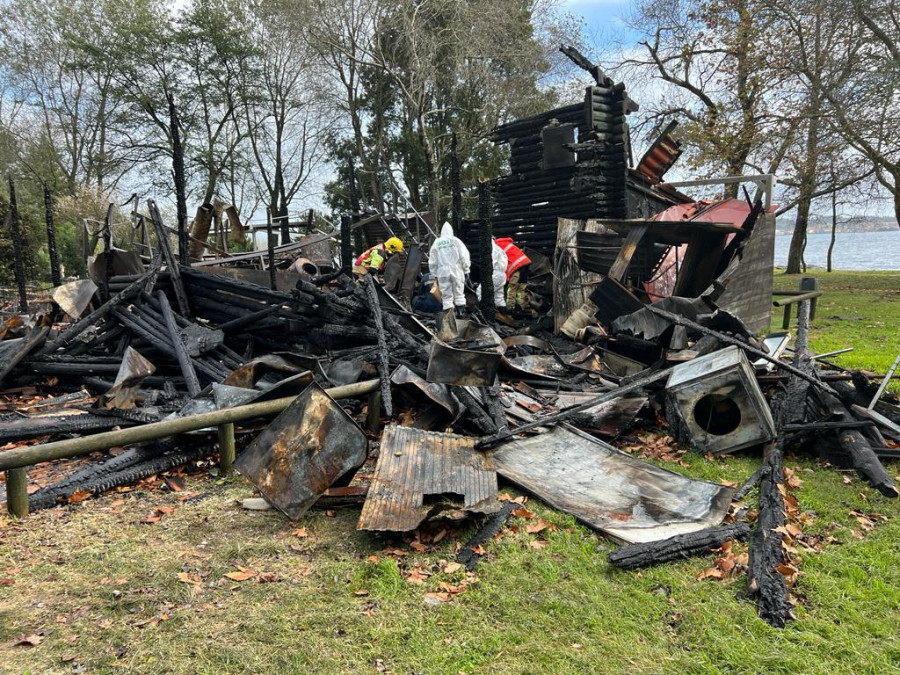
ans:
(516, 258)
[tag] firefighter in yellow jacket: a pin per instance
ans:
(374, 259)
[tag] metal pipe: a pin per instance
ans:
(795, 299)
(73, 447)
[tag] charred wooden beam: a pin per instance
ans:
(679, 547)
(469, 555)
(32, 342)
(72, 332)
(55, 273)
(384, 371)
(485, 254)
(184, 361)
(180, 183)
(162, 236)
(455, 189)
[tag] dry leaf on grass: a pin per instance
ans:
(29, 641)
(242, 575)
(538, 526)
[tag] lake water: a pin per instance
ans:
(852, 250)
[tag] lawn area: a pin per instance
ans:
(94, 588)
(859, 310)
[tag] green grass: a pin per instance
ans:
(859, 310)
(95, 583)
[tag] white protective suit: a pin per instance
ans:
(449, 262)
(499, 262)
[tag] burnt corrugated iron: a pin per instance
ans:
(303, 451)
(661, 155)
(423, 473)
(612, 491)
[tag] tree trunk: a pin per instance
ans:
(833, 228)
(807, 188)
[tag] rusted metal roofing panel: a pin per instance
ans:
(303, 451)
(422, 473)
(605, 488)
(660, 157)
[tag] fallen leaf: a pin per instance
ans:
(537, 543)
(442, 597)
(300, 532)
(175, 483)
(29, 641)
(419, 546)
(711, 573)
(360, 593)
(523, 513)
(396, 552)
(478, 550)
(242, 575)
(165, 510)
(373, 558)
(78, 496)
(538, 526)
(452, 567)
(418, 576)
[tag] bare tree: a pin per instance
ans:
(286, 119)
(72, 101)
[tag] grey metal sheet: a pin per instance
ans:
(303, 451)
(418, 472)
(609, 490)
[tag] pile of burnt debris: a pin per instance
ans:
(632, 323)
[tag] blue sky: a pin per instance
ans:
(605, 22)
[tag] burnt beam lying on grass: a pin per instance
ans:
(635, 556)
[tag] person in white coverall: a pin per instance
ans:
(499, 263)
(449, 262)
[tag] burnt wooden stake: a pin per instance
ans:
(384, 369)
(485, 258)
(107, 252)
(456, 189)
(270, 248)
(18, 249)
(162, 234)
(346, 245)
(354, 194)
(310, 221)
(635, 556)
(184, 361)
(55, 273)
(180, 191)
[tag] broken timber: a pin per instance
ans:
(681, 546)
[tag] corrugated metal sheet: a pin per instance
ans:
(418, 472)
(660, 157)
(605, 488)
